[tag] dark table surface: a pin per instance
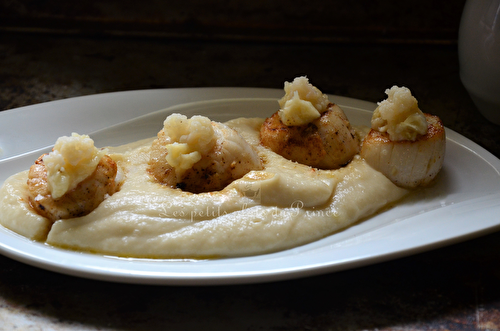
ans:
(451, 288)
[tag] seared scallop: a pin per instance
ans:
(328, 142)
(198, 155)
(407, 163)
(78, 201)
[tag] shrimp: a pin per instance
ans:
(79, 201)
(327, 142)
(225, 157)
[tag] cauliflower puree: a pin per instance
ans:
(71, 160)
(399, 115)
(302, 102)
(284, 205)
(190, 138)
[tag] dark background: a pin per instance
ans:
(386, 21)
(56, 49)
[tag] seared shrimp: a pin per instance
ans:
(327, 142)
(228, 157)
(79, 201)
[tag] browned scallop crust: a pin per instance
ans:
(81, 200)
(292, 142)
(435, 130)
(328, 142)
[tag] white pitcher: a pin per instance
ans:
(479, 55)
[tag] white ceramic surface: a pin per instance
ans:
(479, 55)
(464, 203)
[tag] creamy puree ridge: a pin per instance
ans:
(282, 206)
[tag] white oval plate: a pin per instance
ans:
(464, 203)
